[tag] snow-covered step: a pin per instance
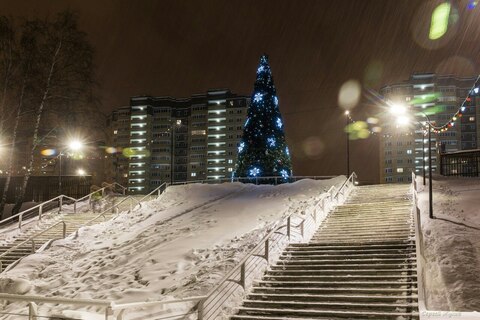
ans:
(361, 264)
(378, 273)
(322, 314)
(344, 298)
(276, 282)
(323, 304)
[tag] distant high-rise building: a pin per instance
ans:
(404, 148)
(206, 131)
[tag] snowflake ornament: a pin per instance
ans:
(284, 173)
(271, 142)
(257, 97)
(254, 172)
(279, 123)
(241, 147)
(260, 69)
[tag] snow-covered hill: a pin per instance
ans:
(179, 245)
(452, 240)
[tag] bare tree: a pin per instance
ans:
(61, 71)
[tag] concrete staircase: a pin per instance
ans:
(360, 264)
(72, 221)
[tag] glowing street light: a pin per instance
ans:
(402, 119)
(73, 145)
(81, 172)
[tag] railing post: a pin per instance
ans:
(302, 228)
(75, 207)
(40, 212)
(108, 311)
(200, 309)
(60, 203)
(33, 246)
(32, 311)
(242, 275)
(20, 217)
(64, 229)
(288, 228)
(267, 250)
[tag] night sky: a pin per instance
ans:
(178, 48)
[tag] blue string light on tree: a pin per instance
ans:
(260, 69)
(275, 100)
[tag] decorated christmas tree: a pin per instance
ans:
(263, 152)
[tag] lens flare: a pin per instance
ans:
(48, 152)
(349, 94)
(439, 23)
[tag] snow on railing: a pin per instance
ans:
(114, 208)
(421, 262)
(57, 202)
(31, 240)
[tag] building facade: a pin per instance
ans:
(404, 148)
(163, 139)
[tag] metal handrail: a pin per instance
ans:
(31, 239)
(264, 242)
(60, 199)
(256, 179)
(157, 189)
(111, 185)
(102, 214)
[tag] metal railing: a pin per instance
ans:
(240, 277)
(421, 263)
(31, 240)
(258, 259)
(114, 208)
(255, 180)
(57, 202)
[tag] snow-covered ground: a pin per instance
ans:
(179, 245)
(452, 241)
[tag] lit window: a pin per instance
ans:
(409, 151)
(230, 161)
(230, 169)
(471, 118)
(194, 174)
(399, 170)
(115, 131)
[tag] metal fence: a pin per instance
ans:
(464, 163)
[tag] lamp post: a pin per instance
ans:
(400, 112)
(175, 124)
(347, 115)
(73, 145)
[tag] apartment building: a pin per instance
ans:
(404, 148)
(164, 139)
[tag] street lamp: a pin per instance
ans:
(74, 145)
(400, 111)
(347, 114)
(175, 124)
